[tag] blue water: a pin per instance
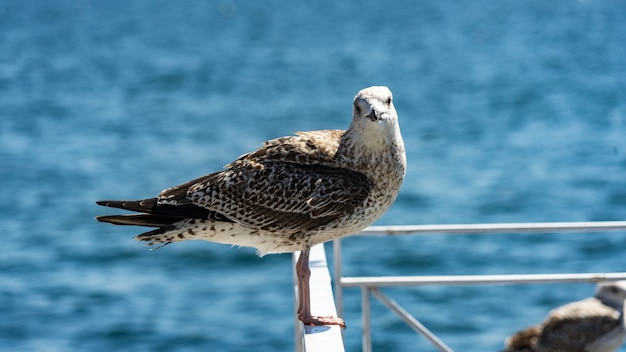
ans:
(511, 111)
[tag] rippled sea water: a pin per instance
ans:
(511, 111)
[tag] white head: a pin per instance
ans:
(612, 293)
(373, 113)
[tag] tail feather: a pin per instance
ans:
(139, 220)
(142, 206)
(170, 211)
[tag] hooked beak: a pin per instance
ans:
(372, 115)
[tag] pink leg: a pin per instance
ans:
(304, 295)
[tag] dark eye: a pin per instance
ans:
(389, 101)
(357, 108)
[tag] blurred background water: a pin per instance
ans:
(511, 111)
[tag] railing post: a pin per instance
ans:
(337, 274)
(366, 332)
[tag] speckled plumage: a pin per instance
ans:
(290, 194)
(594, 324)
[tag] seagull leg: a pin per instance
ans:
(304, 295)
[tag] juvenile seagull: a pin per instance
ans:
(594, 324)
(290, 194)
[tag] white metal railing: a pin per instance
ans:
(370, 285)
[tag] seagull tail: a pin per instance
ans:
(170, 219)
(163, 225)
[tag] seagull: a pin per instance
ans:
(290, 194)
(595, 324)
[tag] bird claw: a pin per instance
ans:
(327, 320)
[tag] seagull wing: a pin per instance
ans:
(288, 184)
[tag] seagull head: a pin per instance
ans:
(374, 115)
(374, 104)
(612, 293)
(374, 134)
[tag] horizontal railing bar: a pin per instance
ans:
(387, 281)
(496, 228)
(366, 318)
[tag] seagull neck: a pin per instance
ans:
(365, 151)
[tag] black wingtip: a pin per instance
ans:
(105, 218)
(139, 220)
(111, 203)
(142, 206)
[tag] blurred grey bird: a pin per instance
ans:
(594, 324)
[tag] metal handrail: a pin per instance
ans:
(389, 281)
(369, 285)
(504, 228)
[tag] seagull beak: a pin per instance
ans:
(372, 115)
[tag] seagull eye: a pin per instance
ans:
(357, 108)
(388, 101)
